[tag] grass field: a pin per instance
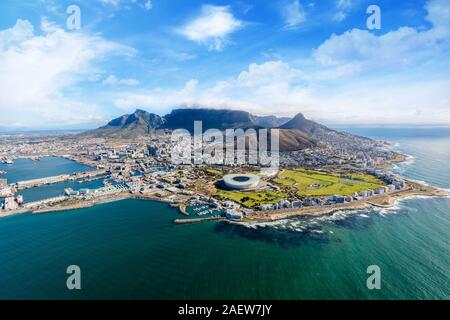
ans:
(316, 183)
(251, 199)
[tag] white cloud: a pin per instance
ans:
(148, 5)
(344, 4)
(412, 89)
(23, 30)
(119, 4)
(158, 99)
(40, 74)
(212, 27)
(48, 26)
(275, 87)
(439, 16)
(360, 50)
(112, 80)
(37, 71)
(293, 14)
(262, 88)
(114, 3)
(339, 16)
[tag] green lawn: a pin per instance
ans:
(251, 199)
(316, 183)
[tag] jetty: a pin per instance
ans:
(197, 220)
(60, 178)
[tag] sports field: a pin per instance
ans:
(316, 183)
(251, 199)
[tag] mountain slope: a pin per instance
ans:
(299, 122)
(270, 121)
(221, 119)
(295, 134)
(324, 134)
(128, 126)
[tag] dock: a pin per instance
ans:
(61, 178)
(197, 220)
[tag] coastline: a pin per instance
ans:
(414, 189)
(383, 201)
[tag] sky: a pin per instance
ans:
(278, 57)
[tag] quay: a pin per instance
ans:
(196, 220)
(56, 179)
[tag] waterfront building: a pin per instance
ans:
(296, 204)
(265, 207)
(338, 199)
(19, 200)
(85, 191)
(10, 204)
(233, 214)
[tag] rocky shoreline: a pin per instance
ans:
(383, 201)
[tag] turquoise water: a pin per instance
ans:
(57, 189)
(131, 249)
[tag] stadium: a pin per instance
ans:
(241, 181)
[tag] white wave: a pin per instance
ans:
(422, 182)
(338, 215)
(391, 210)
(445, 190)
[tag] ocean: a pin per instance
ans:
(132, 249)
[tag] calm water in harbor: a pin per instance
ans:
(131, 249)
(57, 189)
(26, 169)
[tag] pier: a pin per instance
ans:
(196, 220)
(61, 178)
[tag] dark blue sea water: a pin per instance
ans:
(131, 249)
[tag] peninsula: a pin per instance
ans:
(320, 170)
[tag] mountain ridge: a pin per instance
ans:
(296, 133)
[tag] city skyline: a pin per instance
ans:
(278, 58)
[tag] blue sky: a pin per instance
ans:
(267, 57)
